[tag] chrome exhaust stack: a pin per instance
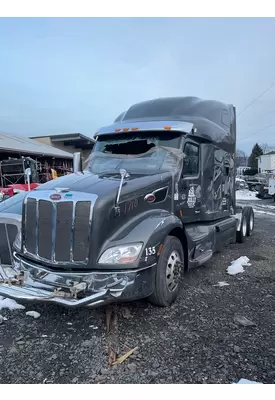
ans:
(77, 163)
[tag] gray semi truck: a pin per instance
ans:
(156, 198)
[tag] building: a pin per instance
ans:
(241, 170)
(266, 162)
(17, 146)
(14, 148)
(69, 142)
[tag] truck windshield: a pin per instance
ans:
(140, 153)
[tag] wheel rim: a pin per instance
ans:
(173, 271)
(244, 227)
(251, 223)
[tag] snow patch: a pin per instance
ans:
(243, 321)
(246, 381)
(93, 327)
(33, 314)
(236, 266)
(10, 304)
(221, 284)
(246, 195)
(264, 206)
(2, 319)
(264, 212)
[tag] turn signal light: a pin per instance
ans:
(167, 127)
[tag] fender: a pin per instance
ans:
(150, 228)
(14, 204)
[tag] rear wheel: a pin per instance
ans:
(241, 234)
(168, 273)
(250, 220)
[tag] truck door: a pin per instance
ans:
(190, 183)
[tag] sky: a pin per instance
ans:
(65, 75)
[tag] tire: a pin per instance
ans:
(260, 190)
(241, 234)
(250, 220)
(166, 287)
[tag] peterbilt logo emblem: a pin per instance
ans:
(55, 196)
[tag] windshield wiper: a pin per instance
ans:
(108, 173)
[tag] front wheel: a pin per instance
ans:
(168, 273)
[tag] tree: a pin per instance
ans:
(253, 158)
(240, 159)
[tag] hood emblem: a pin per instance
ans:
(55, 196)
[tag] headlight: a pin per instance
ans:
(121, 254)
(18, 241)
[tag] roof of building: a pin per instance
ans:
(77, 140)
(20, 144)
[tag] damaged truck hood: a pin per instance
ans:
(102, 185)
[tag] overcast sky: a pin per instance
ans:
(75, 75)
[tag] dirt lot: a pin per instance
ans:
(197, 340)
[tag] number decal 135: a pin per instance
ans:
(149, 251)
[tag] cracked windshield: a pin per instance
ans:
(138, 154)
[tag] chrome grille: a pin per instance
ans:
(64, 223)
(9, 226)
(58, 231)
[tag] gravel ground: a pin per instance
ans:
(200, 339)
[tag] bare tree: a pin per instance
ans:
(264, 147)
(240, 158)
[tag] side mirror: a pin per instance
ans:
(77, 163)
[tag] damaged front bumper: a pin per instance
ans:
(29, 282)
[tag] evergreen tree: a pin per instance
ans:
(253, 158)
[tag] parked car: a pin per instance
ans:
(241, 184)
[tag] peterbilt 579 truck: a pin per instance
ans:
(156, 198)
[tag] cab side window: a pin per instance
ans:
(191, 160)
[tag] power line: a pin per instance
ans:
(257, 98)
(255, 133)
(264, 115)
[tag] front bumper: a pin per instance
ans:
(29, 282)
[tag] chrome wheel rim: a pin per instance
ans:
(251, 222)
(173, 271)
(244, 227)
